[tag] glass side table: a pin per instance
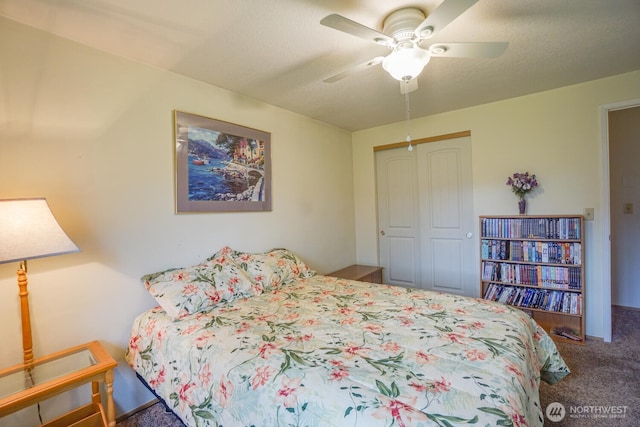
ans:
(25, 385)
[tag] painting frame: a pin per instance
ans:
(220, 166)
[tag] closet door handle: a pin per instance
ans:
(382, 232)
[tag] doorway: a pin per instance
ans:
(624, 175)
(608, 166)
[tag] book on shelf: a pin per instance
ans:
(569, 253)
(543, 228)
(535, 298)
(555, 277)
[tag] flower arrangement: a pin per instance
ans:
(522, 183)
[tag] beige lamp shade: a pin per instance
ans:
(29, 230)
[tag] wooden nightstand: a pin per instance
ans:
(22, 386)
(362, 273)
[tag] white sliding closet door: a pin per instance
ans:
(398, 217)
(425, 216)
(446, 217)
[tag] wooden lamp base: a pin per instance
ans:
(27, 344)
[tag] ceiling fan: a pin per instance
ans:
(403, 32)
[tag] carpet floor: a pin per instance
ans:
(602, 390)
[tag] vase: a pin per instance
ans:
(522, 206)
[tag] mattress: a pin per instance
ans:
(322, 351)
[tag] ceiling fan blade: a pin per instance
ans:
(468, 50)
(442, 16)
(408, 86)
(356, 69)
(346, 25)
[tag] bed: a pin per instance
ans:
(261, 340)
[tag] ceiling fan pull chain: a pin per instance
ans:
(406, 103)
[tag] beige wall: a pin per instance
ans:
(94, 134)
(554, 134)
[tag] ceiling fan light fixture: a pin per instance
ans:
(406, 64)
(403, 31)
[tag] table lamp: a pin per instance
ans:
(29, 230)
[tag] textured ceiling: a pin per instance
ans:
(276, 51)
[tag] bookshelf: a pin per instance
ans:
(536, 263)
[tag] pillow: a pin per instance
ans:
(185, 291)
(270, 269)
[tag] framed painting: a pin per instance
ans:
(221, 166)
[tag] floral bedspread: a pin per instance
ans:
(323, 351)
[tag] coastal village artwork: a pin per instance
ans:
(226, 166)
